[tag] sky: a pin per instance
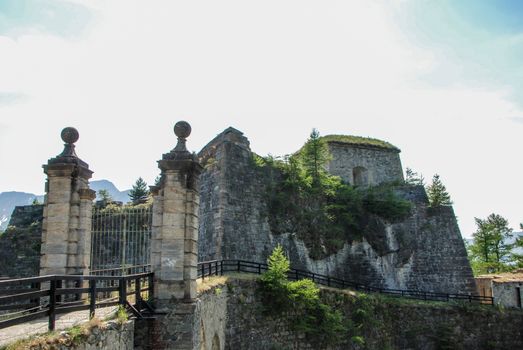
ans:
(441, 80)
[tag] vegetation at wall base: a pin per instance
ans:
(323, 211)
(299, 302)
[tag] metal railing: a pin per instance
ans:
(220, 267)
(26, 299)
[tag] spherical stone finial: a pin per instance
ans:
(182, 129)
(70, 135)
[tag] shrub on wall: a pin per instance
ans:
(299, 302)
(319, 208)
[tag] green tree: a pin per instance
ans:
(36, 201)
(139, 192)
(412, 177)
(314, 155)
(300, 302)
(489, 253)
(105, 196)
(437, 193)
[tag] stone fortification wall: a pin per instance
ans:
(20, 243)
(110, 335)
(424, 252)
(390, 324)
(364, 165)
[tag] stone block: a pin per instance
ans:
(54, 261)
(75, 210)
(173, 245)
(191, 246)
(166, 291)
(58, 209)
(190, 290)
(57, 247)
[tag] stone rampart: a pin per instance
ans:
(390, 323)
(423, 252)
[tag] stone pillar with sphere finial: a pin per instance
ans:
(66, 227)
(175, 222)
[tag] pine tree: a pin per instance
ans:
(412, 177)
(437, 193)
(490, 253)
(314, 155)
(105, 196)
(139, 192)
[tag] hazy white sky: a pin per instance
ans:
(440, 80)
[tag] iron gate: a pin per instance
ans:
(121, 240)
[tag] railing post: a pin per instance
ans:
(137, 293)
(150, 282)
(92, 298)
(221, 267)
(122, 291)
(329, 281)
(52, 304)
(238, 265)
(259, 269)
(36, 300)
(203, 271)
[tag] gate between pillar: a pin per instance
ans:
(121, 240)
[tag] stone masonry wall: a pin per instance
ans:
(506, 293)
(424, 252)
(391, 324)
(20, 243)
(112, 336)
(383, 165)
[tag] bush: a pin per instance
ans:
(319, 208)
(300, 302)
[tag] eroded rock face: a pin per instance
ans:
(424, 252)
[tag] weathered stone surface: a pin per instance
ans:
(373, 165)
(20, 243)
(424, 252)
(391, 325)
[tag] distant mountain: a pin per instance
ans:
(9, 200)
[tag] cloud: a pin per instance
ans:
(54, 17)
(9, 98)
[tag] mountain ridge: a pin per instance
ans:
(11, 199)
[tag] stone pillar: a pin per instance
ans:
(175, 247)
(175, 222)
(66, 228)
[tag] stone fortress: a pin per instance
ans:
(213, 205)
(424, 252)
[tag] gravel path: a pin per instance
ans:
(39, 326)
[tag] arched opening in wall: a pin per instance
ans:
(216, 342)
(360, 176)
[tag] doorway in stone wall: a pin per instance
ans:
(360, 176)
